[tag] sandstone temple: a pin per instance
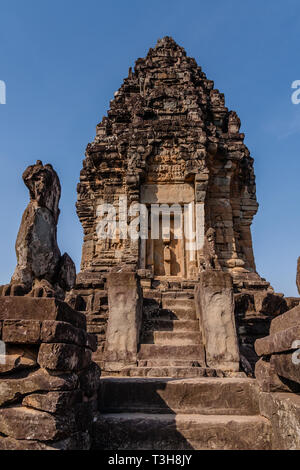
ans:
(168, 337)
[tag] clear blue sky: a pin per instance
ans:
(62, 60)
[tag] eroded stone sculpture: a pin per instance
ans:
(41, 270)
(210, 258)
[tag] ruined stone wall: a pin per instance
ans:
(278, 375)
(48, 383)
(91, 298)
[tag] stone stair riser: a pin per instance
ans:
(201, 396)
(139, 431)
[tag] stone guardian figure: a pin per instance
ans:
(41, 270)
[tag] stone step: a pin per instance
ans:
(155, 351)
(142, 431)
(168, 362)
(174, 325)
(163, 370)
(181, 294)
(180, 313)
(174, 338)
(177, 371)
(172, 304)
(185, 370)
(158, 295)
(207, 396)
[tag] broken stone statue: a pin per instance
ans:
(41, 270)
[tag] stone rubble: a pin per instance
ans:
(278, 376)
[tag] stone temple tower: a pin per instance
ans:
(168, 140)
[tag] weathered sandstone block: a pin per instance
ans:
(21, 331)
(27, 308)
(15, 388)
(283, 411)
(269, 303)
(269, 381)
(279, 342)
(63, 357)
(85, 414)
(47, 331)
(215, 310)
(292, 302)
(25, 423)
(53, 402)
(89, 379)
(125, 316)
(287, 320)
(285, 366)
(62, 332)
(77, 441)
(17, 359)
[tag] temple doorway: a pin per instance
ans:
(167, 252)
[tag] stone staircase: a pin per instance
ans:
(171, 342)
(181, 414)
(171, 400)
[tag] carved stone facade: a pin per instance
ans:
(168, 137)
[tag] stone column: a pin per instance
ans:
(125, 319)
(215, 310)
